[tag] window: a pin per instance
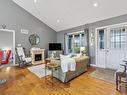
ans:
(101, 39)
(118, 38)
(75, 41)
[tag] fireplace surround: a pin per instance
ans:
(37, 56)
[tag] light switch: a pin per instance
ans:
(24, 31)
(19, 45)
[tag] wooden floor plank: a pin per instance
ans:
(22, 82)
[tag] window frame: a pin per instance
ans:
(118, 41)
(80, 43)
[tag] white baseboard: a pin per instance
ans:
(94, 65)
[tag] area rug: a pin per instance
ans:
(39, 70)
(107, 75)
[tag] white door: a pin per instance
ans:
(111, 47)
(101, 47)
(116, 46)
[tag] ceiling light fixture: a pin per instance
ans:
(58, 21)
(35, 1)
(95, 4)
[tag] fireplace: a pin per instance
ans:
(38, 57)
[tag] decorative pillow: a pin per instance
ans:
(77, 56)
(64, 56)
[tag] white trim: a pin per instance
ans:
(113, 26)
(13, 31)
(96, 46)
(94, 65)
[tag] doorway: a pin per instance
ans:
(111, 45)
(7, 46)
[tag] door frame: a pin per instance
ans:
(96, 35)
(13, 31)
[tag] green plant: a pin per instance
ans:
(76, 48)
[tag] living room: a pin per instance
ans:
(63, 47)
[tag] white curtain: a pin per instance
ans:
(66, 44)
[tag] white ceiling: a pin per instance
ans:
(72, 13)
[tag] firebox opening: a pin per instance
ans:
(38, 57)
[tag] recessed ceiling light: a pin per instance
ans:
(58, 21)
(35, 1)
(95, 4)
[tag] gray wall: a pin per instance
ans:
(17, 18)
(92, 26)
(6, 40)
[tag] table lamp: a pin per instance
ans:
(82, 50)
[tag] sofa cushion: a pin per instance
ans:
(62, 57)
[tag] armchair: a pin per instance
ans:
(1, 55)
(23, 60)
(2, 81)
(121, 73)
(8, 53)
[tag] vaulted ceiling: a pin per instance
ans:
(65, 14)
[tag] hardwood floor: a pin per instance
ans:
(22, 82)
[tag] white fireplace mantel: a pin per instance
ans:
(36, 52)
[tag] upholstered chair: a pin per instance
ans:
(121, 74)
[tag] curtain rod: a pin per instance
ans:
(75, 32)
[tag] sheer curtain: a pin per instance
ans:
(66, 43)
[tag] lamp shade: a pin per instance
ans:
(82, 48)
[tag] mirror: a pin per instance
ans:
(34, 39)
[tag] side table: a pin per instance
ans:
(52, 67)
(48, 60)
